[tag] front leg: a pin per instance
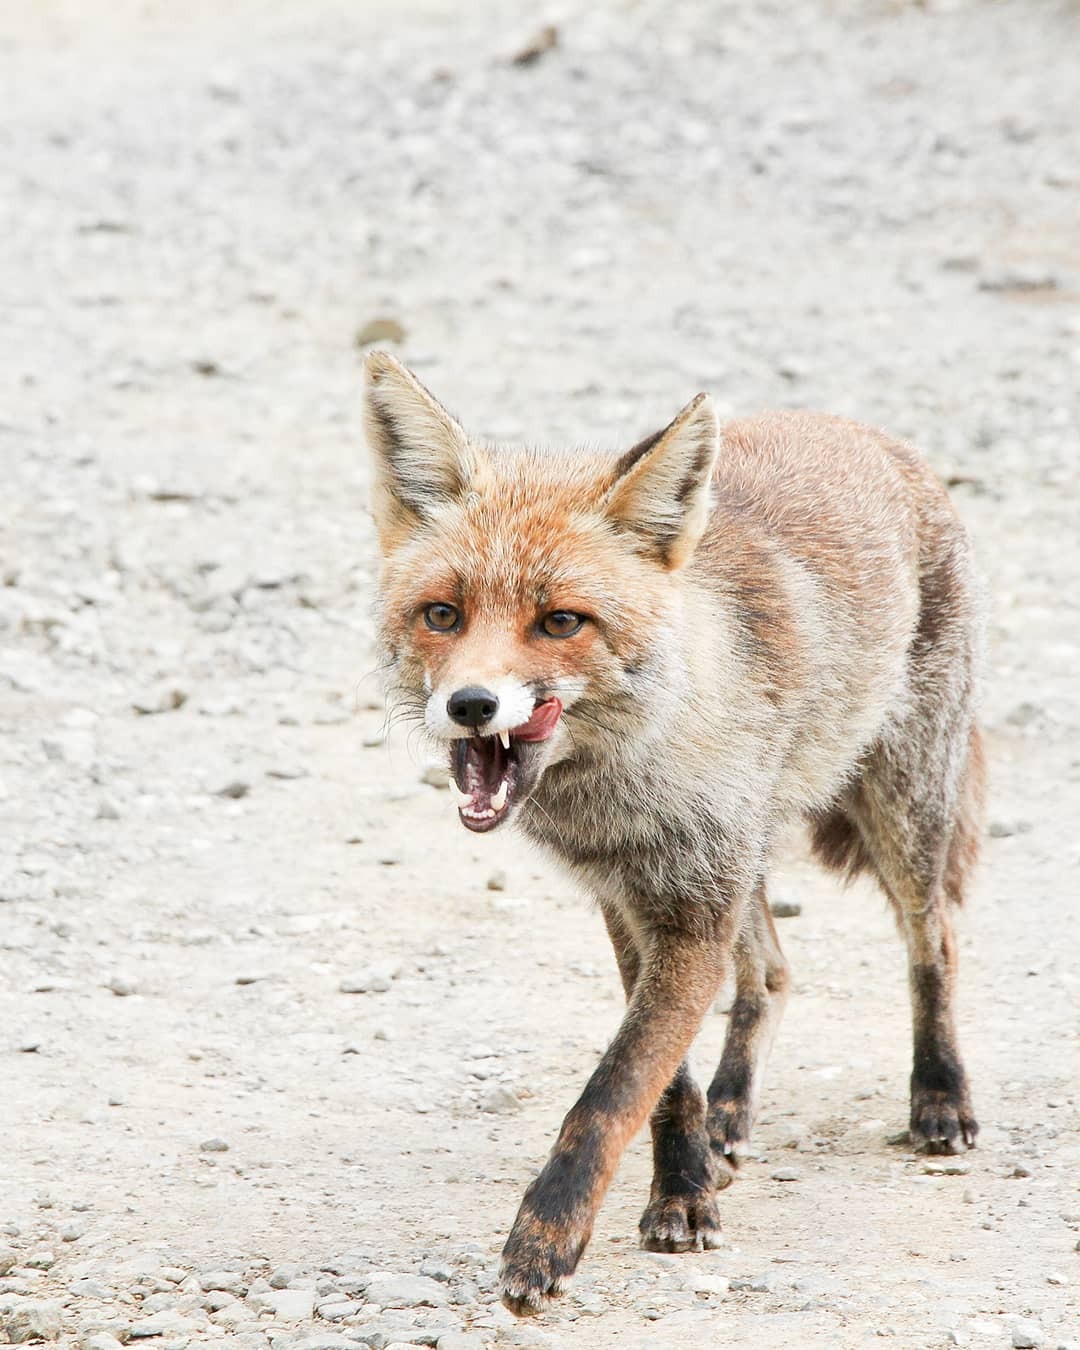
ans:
(680, 973)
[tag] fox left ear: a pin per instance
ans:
(661, 487)
(422, 455)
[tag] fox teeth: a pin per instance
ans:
(498, 800)
(504, 737)
(462, 798)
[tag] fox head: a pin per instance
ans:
(527, 596)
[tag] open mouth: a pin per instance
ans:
(487, 771)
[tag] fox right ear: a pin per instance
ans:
(422, 455)
(660, 492)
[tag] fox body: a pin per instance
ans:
(655, 661)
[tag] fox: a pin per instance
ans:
(656, 661)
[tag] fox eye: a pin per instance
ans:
(561, 623)
(442, 617)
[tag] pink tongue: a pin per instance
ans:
(541, 724)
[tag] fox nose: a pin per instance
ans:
(472, 706)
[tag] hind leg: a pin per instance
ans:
(761, 986)
(681, 1214)
(922, 837)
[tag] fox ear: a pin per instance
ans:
(422, 455)
(661, 486)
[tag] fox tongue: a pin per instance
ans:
(542, 722)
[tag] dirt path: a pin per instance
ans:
(867, 208)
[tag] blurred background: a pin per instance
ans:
(265, 1010)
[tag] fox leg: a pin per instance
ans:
(918, 809)
(678, 976)
(761, 986)
(681, 1214)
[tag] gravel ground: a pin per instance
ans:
(280, 1044)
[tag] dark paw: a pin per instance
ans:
(728, 1124)
(537, 1262)
(941, 1121)
(681, 1223)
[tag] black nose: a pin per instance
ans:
(471, 706)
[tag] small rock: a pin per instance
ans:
(500, 1100)
(161, 699)
(1005, 829)
(497, 880)
(436, 1270)
(99, 1340)
(168, 1323)
(227, 1281)
(380, 329)
(235, 788)
(1020, 277)
(946, 1167)
(1026, 1335)
(41, 1260)
(459, 1340)
(28, 1319)
(120, 987)
(785, 909)
(406, 1291)
(702, 1282)
(107, 809)
(215, 1145)
(546, 40)
(1055, 1277)
(372, 980)
(8, 1257)
(337, 1312)
(287, 772)
(71, 1232)
(786, 1174)
(291, 1305)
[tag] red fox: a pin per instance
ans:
(654, 661)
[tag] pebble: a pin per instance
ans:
(785, 909)
(99, 1340)
(283, 1276)
(166, 1323)
(215, 1145)
(437, 1270)
(162, 698)
(497, 880)
(121, 987)
(226, 1281)
(337, 1312)
(28, 1319)
(406, 1291)
(459, 1340)
(786, 1174)
(8, 1257)
(371, 980)
(1026, 1335)
(500, 1100)
(107, 809)
(234, 788)
(291, 1305)
(946, 1167)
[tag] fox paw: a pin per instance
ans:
(941, 1121)
(729, 1134)
(681, 1223)
(537, 1263)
